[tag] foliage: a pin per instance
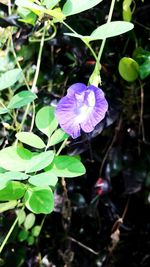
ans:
(45, 46)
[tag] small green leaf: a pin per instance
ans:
(44, 179)
(30, 139)
(36, 230)
(58, 136)
(111, 29)
(39, 200)
(12, 191)
(145, 69)
(21, 99)
(128, 69)
(30, 240)
(67, 166)
(72, 7)
(15, 158)
(21, 216)
(40, 161)
(9, 78)
(46, 121)
(8, 205)
(23, 235)
(29, 221)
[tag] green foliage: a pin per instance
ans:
(8, 205)
(44, 179)
(21, 99)
(72, 7)
(30, 139)
(127, 13)
(9, 78)
(143, 59)
(67, 166)
(128, 69)
(106, 30)
(40, 161)
(58, 136)
(12, 191)
(39, 200)
(50, 4)
(46, 121)
(29, 221)
(15, 158)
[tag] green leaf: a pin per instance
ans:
(106, 30)
(3, 111)
(58, 136)
(40, 161)
(8, 205)
(44, 179)
(40, 10)
(145, 69)
(128, 69)
(30, 240)
(45, 120)
(27, 16)
(29, 221)
(14, 176)
(9, 78)
(15, 158)
(30, 139)
(72, 7)
(23, 235)
(21, 99)
(39, 200)
(67, 166)
(36, 230)
(21, 216)
(111, 29)
(12, 191)
(50, 4)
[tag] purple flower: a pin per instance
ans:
(82, 108)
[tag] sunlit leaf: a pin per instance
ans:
(46, 121)
(29, 221)
(72, 7)
(12, 191)
(58, 136)
(67, 166)
(8, 205)
(128, 69)
(30, 139)
(40, 161)
(21, 99)
(15, 158)
(111, 29)
(9, 78)
(39, 200)
(44, 179)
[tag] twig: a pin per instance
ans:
(83, 246)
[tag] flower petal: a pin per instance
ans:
(76, 88)
(82, 108)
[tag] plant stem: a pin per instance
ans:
(35, 77)
(108, 20)
(8, 234)
(62, 146)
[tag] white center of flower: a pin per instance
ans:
(84, 105)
